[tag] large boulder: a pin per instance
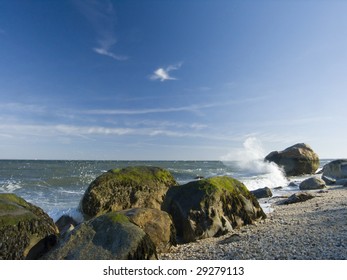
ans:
(313, 183)
(131, 187)
(157, 224)
(211, 207)
(336, 169)
(22, 226)
(296, 160)
(109, 236)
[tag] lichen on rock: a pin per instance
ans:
(106, 237)
(22, 226)
(211, 207)
(131, 187)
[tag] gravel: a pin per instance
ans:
(311, 230)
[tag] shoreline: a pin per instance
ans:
(315, 229)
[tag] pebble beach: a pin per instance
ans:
(315, 229)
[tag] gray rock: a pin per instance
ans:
(157, 224)
(131, 187)
(336, 169)
(109, 236)
(211, 207)
(296, 160)
(328, 180)
(313, 183)
(262, 193)
(297, 197)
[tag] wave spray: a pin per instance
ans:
(257, 172)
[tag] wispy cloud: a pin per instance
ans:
(193, 108)
(105, 51)
(102, 16)
(163, 74)
(42, 130)
(22, 131)
(22, 107)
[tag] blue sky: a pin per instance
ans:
(170, 80)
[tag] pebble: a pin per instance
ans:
(297, 231)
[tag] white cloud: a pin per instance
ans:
(104, 51)
(193, 108)
(102, 16)
(22, 107)
(163, 74)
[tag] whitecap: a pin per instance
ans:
(10, 187)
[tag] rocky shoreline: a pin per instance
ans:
(311, 230)
(141, 212)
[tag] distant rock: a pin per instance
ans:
(157, 224)
(313, 183)
(296, 160)
(108, 237)
(22, 226)
(297, 197)
(336, 169)
(262, 193)
(131, 187)
(211, 207)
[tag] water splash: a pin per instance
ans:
(259, 173)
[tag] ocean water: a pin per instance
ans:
(58, 186)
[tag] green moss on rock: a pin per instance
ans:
(211, 207)
(117, 217)
(119, 189)
(109, 236)
(22, 225)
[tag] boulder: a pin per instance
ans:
(296, 160)
(313, 183)
(297, 197)
(211, 207)
(22, 226)
(336, 169)
(262, 192)
(157, 224)
(106, 237)
(131, 187)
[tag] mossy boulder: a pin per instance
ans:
(211, 207)
(296, 160)
(157, 224)
(131, 187)
(106, 237)
(22, 226)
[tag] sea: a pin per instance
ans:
(57, 186)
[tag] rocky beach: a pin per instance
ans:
(142, 212)
(314, 229)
